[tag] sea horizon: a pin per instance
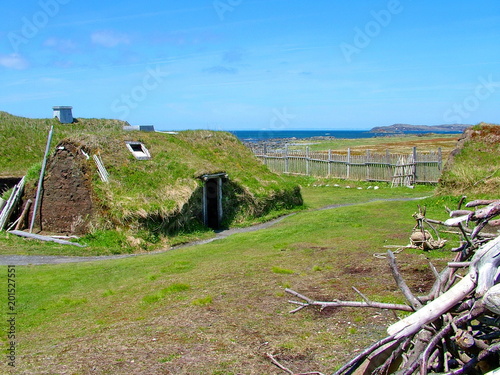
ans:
(261, 135)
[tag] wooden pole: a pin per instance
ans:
(414, 178)
(388, 168)
(329, 162)
(348, 163)
(367, 165)
(40, 180)
(22, 218)
(286, 158)
(204, 203)
(307, 160)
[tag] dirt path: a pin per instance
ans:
(24, 260)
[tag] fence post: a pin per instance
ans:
(414, 165)
(348, 163)
(440, 159)
(367, 165)
(286, 158)
(307, 160)
(387, 174)
(329, 162)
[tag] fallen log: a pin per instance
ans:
(433, 310)
(484, 266)
(481, 277)
(491, 299)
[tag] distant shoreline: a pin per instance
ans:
(282, 135)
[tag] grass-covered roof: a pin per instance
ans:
(474, 167)
(148, 191)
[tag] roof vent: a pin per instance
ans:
(138, 149)
(63, 114)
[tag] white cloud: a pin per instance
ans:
(109, 38)
(13, 61)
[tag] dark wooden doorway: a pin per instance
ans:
(212, 199)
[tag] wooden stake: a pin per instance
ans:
(22, 218)
(40, 180)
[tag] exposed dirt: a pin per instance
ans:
(66, 204)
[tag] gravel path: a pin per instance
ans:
(24, 260)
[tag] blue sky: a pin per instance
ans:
(254, 64)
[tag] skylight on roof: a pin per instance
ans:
(138, 149)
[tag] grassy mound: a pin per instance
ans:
(164, 193)
(24, 139)
(473, 168)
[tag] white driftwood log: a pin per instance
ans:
(484, 267)
(491, 299)
(12, 202)
(20, 233)
(432, 310)
(481, 277)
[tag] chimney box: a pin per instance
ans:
(63, 114)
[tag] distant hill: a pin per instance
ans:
(402, 128)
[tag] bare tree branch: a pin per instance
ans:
(278, 364)
(414, 302)
(337, 303)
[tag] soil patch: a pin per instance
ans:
(66, 205)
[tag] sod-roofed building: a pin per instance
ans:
(99, 176)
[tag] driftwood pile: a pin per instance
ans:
(455, 329)
(11, 204)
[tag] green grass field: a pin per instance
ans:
(218, 308)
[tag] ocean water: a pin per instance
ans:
(261, 135)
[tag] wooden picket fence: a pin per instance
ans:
(398, 169)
